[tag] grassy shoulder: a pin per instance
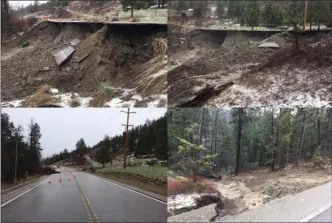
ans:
(149, 178)
(6, 186)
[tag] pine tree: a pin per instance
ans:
(81, 147)
(133, 4)
(34, 147)
(253, 14)
(273, 15)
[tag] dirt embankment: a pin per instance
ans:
(256, 76)
(247, 191)
(106, 55)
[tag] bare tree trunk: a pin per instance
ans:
(301, 138)
(318, 134)
(213, 135)
(276, 145)
(328, 131)
(216, 134)
(132, 11)
(239, 135)
(201, 128)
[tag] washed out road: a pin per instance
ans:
(312, 205)
(80, 197)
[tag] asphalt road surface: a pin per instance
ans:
(325, 216)
(312, 205)
(80, 197)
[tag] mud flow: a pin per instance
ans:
(113, 65)
(228, 68)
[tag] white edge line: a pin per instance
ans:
(11, 200)
(129, 189)
(316, 213)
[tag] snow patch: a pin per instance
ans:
(14, 103)
(66, 99)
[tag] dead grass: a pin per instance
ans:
(5, 186)
(151, 77)
(101, 97)
(159, 46)
(41, 97)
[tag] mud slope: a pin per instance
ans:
(205, 61)
(203, 56)
(106, 54)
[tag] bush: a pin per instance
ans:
(317, 159)
(151, 162)
(182, 185)
(176, 186)
(25, 43)
(204, 187)
(92, 169)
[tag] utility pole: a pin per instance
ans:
(126, 140)
(305, 14)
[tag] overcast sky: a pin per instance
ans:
(62, 128)
(14, 4)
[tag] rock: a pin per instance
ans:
(253, 204)
(54, 91)
(46, 68)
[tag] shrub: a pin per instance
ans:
(317, 159)
(204, 187)
(25, 43)
(182, 185)
(151, 162)
(179, 187)
(92, 169)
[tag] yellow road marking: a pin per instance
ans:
(88, 207)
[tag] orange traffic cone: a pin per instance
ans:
(68, 178)
(49, 181)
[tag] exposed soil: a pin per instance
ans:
(250, 190)
(107, 55)
(259, 76)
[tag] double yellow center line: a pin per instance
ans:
(88, 207)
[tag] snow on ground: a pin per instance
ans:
(14, 103)
(66, 100)
(286, 88)
(152, 101)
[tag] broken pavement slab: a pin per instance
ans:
(268, 45)
(63, 55)
(74, 42)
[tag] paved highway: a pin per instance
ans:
(80, 197)
(306, 206)
(325, 216)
